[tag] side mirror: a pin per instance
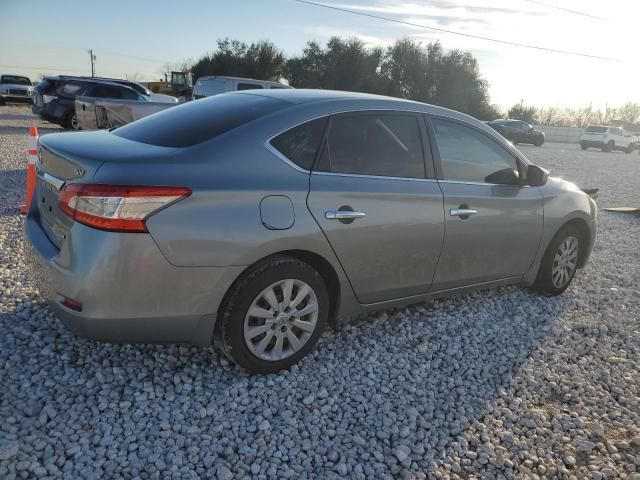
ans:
(507, 176)
(537, 176)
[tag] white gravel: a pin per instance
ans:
(496, 384)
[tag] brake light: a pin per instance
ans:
(117, 208)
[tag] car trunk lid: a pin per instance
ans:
(67, 158)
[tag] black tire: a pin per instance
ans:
(230, 325)
(71, 121)
(608, 146)
(629, 149)
(583, 146)
(538, 143)
(544, 281)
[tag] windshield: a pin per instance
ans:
(596, 129)
(195, 122)
(15, 80)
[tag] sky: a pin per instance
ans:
(135, 39)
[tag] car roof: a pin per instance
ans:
(254, 80)
(97, 80)
(368, 101)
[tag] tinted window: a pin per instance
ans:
(249, 86)
(595, 129)
(300, 144)
(468, 154)
(195, 122)
(129, 94)
(381, 144)
(106, 91)
(69, 89)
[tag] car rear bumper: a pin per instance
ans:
(592, 143)
(128, 291)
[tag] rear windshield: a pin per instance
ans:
(596, 129)
(15, 80)
(195, 122)
(208, 88)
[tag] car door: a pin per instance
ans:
(493, 229)
(379, 208)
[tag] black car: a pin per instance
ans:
(518, 131)
(54, 97)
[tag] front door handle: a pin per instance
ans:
(462, 212)
(343, 215)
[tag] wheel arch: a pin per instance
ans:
(318, 262)
(585, 237)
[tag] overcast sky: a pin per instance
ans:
(135, 38)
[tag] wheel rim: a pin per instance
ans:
(565, 262)
(281, 319)
(74, 123)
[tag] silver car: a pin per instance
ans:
(253, 219)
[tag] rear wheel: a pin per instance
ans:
(583, 146)
(560, 262)
(629, 149)
(608, 146)
(538, 143)
(273, 315)
(71, 122)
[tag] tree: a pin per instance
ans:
(522, 112)
(628, 113)
(580, 117)
(552, 116)
(604, 117)
(261, 60)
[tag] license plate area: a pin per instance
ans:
(51, 218)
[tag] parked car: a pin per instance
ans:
(208, 86)
(607, 139)
(15, 88)
(54, 97)
(518, 131)
(255, 218)
(141, 89)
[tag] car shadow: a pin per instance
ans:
(420, 376)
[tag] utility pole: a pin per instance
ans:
(93, 65)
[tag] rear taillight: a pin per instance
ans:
(117, 208)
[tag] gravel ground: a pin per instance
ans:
(495, 384)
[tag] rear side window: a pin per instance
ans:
(195, 122)
(69, 89)
(207, 88)
(594, 129)
(374, 143)
(469, 155)
(249, 86)
(300, 144)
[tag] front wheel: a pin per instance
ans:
(583, 146)
(629, 149)
(608, 146)
(560, 262)
(538, 143)
(273, 315)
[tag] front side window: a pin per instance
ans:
(300, 144)
(469, 155)
(127, 94)
(378, 144)
(69, 89)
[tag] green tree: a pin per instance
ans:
(522, 112)
(261, 60)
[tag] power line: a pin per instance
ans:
(468, 35)
(566, 10)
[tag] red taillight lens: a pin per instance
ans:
(117, 208)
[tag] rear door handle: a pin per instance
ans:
(343, 215)
(462, 212)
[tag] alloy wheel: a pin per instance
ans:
(565, 262)
(281, 319)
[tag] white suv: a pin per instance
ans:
(607, 139)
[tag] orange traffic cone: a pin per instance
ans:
(32, 156)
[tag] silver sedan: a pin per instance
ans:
(253, 219)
